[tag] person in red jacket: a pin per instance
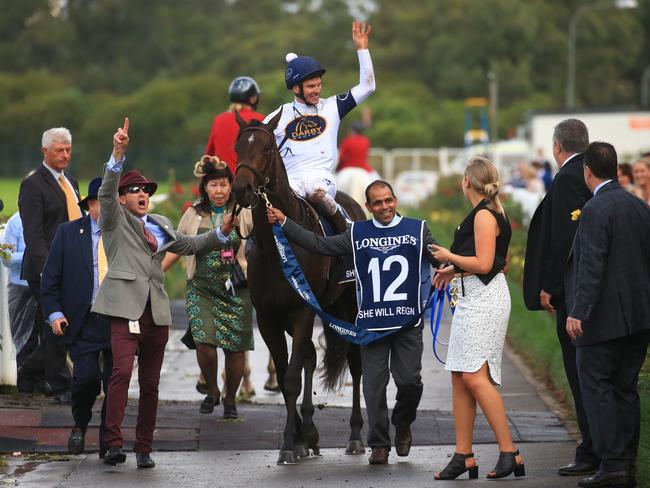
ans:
(244, 95)
(354, 150)
(354, 173)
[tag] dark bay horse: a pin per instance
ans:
(260, 175)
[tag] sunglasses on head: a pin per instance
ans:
(137, 188)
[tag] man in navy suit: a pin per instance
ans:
(608, 300)
(550, 235)
(73, 271)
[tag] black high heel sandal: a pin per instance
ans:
(456, 467)
(507, 464)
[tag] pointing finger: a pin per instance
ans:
(125, 128)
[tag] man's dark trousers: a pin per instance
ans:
(48, 360)
(585, 452)
(400, 355)
(609, 373)
(92, 344)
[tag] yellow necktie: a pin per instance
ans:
(102, 262)
(74, 212)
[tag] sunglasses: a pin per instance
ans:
(137, 188)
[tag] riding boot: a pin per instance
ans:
(338, 221)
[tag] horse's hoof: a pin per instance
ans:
(300, 451)
(287, 457)
(355, 447)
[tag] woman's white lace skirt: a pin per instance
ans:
(478, 329)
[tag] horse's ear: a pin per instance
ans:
(273, 123)
(240, 121)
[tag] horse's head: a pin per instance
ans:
(256, 152)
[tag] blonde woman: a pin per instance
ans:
(641, 172)
(215, 312)
(477, 259)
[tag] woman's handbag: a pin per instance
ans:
(238, 278)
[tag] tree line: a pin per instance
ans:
(85, 64)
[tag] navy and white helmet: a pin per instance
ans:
(242, 88)
(301, 68)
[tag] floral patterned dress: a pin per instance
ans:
(215, 313)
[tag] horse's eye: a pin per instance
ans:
(267, 148)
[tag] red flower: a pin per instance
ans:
(186, 205)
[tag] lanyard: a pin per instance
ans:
(438, 304)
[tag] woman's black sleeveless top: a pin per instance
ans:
(464, 241)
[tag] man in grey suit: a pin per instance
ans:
(608, 303)
(133, 295)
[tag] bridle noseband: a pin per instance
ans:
(262, 189)
(265, 178)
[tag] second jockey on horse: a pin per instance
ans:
(308, 128)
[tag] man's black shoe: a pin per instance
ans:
(144, 460)
(63, 398)
(606, 479)
(76, 441)
(114, 456)
(44, 388)
(579, 468)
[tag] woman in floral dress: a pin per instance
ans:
(216, 315)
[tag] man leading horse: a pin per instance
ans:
(391, 278)
(308, 128)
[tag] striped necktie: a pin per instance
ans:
(74, 212)
(152, 242)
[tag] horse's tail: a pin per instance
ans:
(335, 359)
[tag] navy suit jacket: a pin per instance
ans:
(67, 283)
(551, 232)
(608, 277)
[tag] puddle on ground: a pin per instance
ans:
(13, 467)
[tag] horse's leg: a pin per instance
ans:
(355, 444)
(309, 430)
(293, 447)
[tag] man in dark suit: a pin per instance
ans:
(608, 298)
(73, 272)
(47, 198)
(550, 235)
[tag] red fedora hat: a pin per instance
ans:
(133, 177)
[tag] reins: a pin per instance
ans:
(262, 189)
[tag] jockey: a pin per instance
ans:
(308, 128)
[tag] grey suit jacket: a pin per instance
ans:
(134, 272)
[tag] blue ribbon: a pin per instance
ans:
(438, 303)
(296, 278)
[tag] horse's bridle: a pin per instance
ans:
(263, 179)
(261, 191)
